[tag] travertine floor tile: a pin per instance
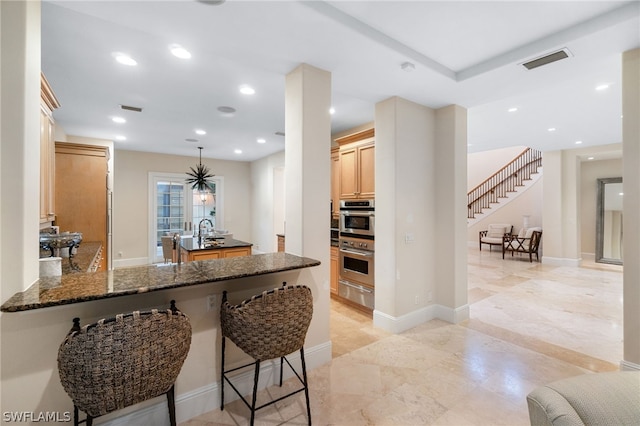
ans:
(530, 324)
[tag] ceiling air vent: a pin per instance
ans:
(131, 108)
(547, 59)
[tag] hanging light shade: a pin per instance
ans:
(200, 176)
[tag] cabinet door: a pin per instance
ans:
(367, 171)
(348, 173)
(205, 255)
(81, 191)
(333, 266)
(335, 181)
(47, 167)
(236, 252)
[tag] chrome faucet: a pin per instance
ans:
(200, 229)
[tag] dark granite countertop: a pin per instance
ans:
(82, 287)
(191, 244)
(83, 260)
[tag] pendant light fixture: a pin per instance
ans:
(200, 176)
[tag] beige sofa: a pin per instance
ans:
(589, 399)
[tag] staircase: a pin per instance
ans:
(504, 181)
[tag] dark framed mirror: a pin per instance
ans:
(609, 230)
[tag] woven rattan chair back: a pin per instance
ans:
(124, 360)
(270, 325)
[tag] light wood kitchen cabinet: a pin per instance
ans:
(215, 253)
(280, 243)
(48, 103)
(334, 269)
(357, 171)
(81, 191)
(357, 165)
(335, 181)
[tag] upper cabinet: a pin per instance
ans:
(335, 181)
(357, 165)
(48, 103)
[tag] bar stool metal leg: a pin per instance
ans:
(255, 392)
(222, 376)
(306, 384)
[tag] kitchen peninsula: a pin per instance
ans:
(84, 287)
(219, 248)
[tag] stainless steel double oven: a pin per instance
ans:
(357, 251)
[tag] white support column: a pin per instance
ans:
(20, 148)
(450, 199)
(308, 184)
(421, 226)
(631, 209)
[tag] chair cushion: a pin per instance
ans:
(497, 230)
(490, 240)
(528, 232)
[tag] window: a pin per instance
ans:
(175, 208)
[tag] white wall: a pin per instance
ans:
(482, 165)
(130, 201)
(264, 202)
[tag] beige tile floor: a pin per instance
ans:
(530, 324)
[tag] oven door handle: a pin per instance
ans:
(357, 253)
(357, 287)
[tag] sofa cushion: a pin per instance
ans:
(590, 399)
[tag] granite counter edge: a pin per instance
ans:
(12, 305)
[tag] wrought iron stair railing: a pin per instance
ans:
(505, 180)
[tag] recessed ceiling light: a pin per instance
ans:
(602, 87)
(200, 132)
(578, 142)
(621, 193)
(590, 158)
(245, 89)
(124, 59)
(261, 140)
(179, 51)
(118, 120)
(551, 129)
(121, 138)
(332, 110)
(513, 109)
(238, 151)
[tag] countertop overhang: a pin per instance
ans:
(83, 287)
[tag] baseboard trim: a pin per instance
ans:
(559, 261)
(629, 366)
(125, 263)
(207, 398)
(420, 316)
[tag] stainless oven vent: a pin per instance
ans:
(547, 59)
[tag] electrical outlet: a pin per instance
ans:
(417, 300)
(212, 302)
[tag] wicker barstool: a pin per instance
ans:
(268, 326)
(124, 360)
